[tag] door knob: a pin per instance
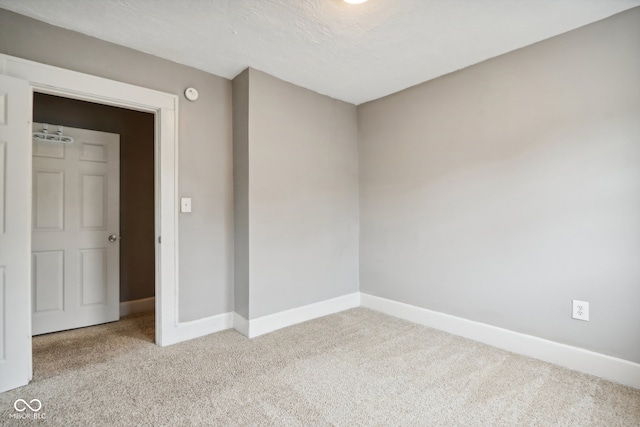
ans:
(113, 238)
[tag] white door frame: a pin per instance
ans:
(71, 84)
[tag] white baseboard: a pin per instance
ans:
(262, 325)
(240, 324)
(578, 359)
(137, 306)
(209, 325)
(198, 328)
(601, 365)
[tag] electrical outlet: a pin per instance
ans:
(185, 205)
(580, 310)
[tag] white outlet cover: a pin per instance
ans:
(580, 310)
(185, 205)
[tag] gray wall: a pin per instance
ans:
(302, 195)
(205, 151)
(136, 130)
(500, 192)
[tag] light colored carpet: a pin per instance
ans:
(357, 367)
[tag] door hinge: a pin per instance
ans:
(159, 239)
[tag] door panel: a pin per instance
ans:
(93, 202)
(75, 270)
(48, 200)
(15, 156)
(43, 149)
(93, 153)
(48, 275)
(3, 171)
(93, 264)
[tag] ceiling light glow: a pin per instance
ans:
(354, 1)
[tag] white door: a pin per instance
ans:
(15, 327)
(75, 230)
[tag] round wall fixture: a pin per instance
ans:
(191, 94)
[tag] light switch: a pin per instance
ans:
(185, 205)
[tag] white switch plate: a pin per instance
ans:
(580, 310)
(185, 205)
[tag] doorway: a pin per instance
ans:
(19, 80)
(136, 189)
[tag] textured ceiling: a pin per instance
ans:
(354, 53)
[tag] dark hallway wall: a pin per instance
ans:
(136, 129)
